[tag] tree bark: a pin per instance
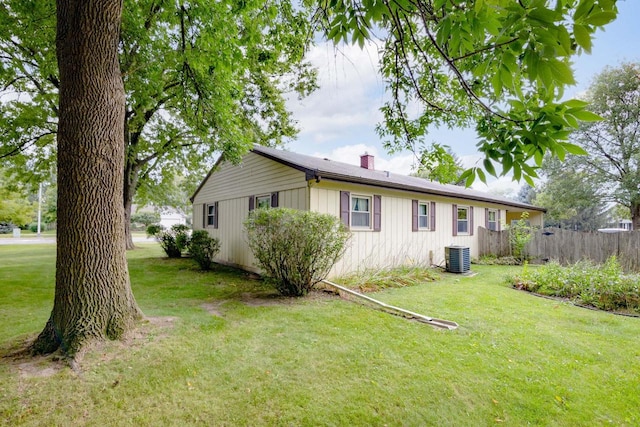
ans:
(635, 215)
(93, 298)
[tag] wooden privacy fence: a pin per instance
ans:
(567, 246)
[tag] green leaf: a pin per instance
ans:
(583, 8)
(470, 178)
(586, 116)
(574, 149)
(600, 18)
(488, 166)
(583, 37)
(529, 180)
(481, 175)
(575, 103)
(562, 71)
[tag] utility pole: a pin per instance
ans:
(39, 207)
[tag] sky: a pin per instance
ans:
(338, 120)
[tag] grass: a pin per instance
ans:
(515, 360)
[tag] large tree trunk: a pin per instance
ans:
(635, 215)
(93, 298)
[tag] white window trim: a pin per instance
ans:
(458, 220)
(351, 211)
(215, 213)
(428, 215)
(495, 212)
(263, 196)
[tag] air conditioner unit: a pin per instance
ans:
(457, 258)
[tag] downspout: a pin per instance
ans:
(438, 323)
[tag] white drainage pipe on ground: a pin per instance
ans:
(438, 323)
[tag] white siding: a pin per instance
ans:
(231, 186)
(396, 243)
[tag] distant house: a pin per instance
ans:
(170, 217)
(395, 219)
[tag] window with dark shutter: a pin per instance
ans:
(377, 213)
(454, 215)
(215, 218)
(345, 208)
(433, 216)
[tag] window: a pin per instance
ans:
(492, 220)
(463, 219)
(211, 215)
(361, 211)
(423, 215)
(263, 201)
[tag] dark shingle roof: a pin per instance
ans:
(315, 167)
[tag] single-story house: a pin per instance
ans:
(395, 219)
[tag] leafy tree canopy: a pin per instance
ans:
(613, 144)
(440, 164)
(15, 206)
(498, 65)
(573, 200)
(200, 77)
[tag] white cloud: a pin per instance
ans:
(400, 164)
(349, 97)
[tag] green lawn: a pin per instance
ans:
(515, 360)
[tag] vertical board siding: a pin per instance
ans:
(396, 243)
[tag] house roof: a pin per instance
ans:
(317, 168)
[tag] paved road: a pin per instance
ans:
(41, 240)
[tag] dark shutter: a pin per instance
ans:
(498, 219)
(377, 213)
(455, 219)
(414, 215)
(470, 220)
(432, 212)
(215, 217)
(204, 215)
(274, 200)
(345, 197)
(486, 218)
(252, 200)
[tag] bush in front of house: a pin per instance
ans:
(203, 248)
(295, 249)
(6, 227)
(173, 241)
(604, 286)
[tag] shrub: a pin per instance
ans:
(154, 229)
(519, 235)
(6, 227)
(172, 241)
(203, 248)
(296, 249)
